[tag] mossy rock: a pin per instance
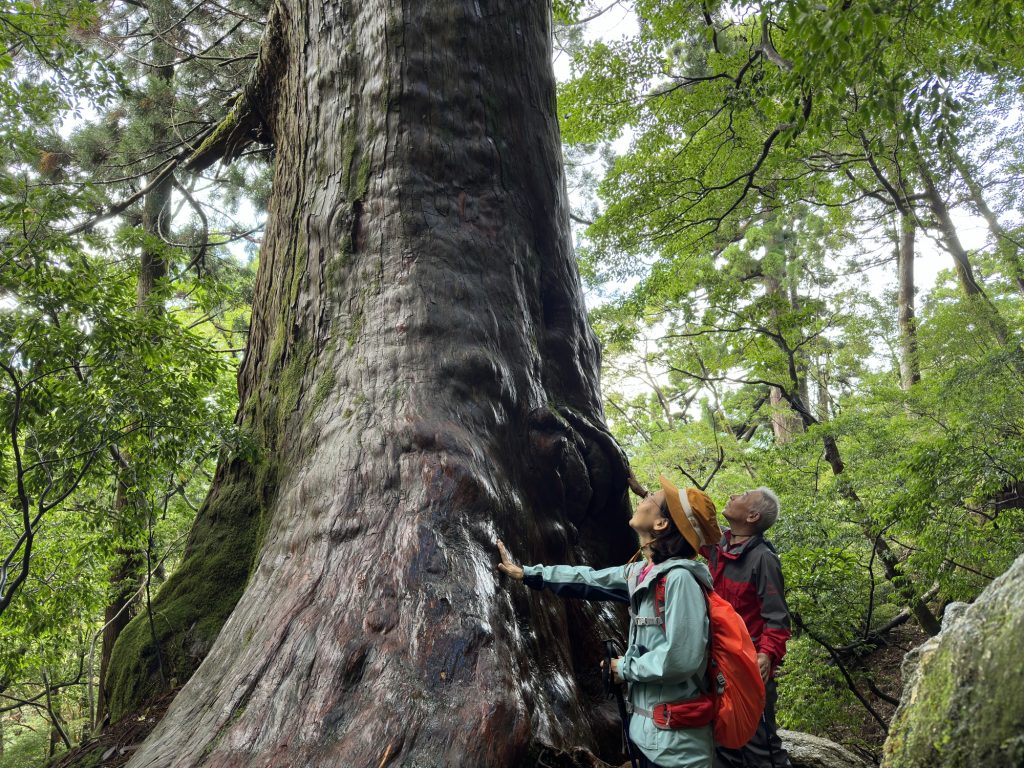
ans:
(963, 704)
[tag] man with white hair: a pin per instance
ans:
(747, 572)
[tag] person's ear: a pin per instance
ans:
(660, 524)
(753, 517)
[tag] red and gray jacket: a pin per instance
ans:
(749, 576)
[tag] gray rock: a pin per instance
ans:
(953, 613)
(806, 751)
(963, 696)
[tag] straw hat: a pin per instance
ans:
(694, 514)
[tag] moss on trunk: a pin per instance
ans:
(190, 609)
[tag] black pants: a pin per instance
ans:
(764, 750)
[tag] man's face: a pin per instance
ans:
(740, 507)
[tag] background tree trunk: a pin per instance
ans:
(891, 564)
(972, 289)
(785, 422)
(124, 579)
(1007, 245)
(420, 380)
(127, 572)
(910, 370)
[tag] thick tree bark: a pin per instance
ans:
(420, 380)
(910, 369)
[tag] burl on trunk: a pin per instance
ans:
(420, 380)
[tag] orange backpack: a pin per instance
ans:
(736, 699)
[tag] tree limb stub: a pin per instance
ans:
(248, 121)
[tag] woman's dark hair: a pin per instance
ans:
(670, 542)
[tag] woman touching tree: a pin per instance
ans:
(665, 657)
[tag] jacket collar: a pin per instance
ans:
(697, 569)
(741, 549)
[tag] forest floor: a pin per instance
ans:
(861, 732)
(114, 747)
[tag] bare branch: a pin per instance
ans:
(768, 49)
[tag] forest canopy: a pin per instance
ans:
(776, 208)
(785, 167)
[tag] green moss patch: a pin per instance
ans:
(964, 706)
(190, 609)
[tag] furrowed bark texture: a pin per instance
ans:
(420, 380)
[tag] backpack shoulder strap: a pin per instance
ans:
(710, 672)
(704, 681)
(659, 599)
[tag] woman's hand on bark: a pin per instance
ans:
(507, 566)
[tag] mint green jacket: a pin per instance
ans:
(660, 665)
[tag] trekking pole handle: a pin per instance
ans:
(609, 654)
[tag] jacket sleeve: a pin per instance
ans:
(682, 655)
(579, 581)
(774, 611)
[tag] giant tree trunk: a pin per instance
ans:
(420, 380)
